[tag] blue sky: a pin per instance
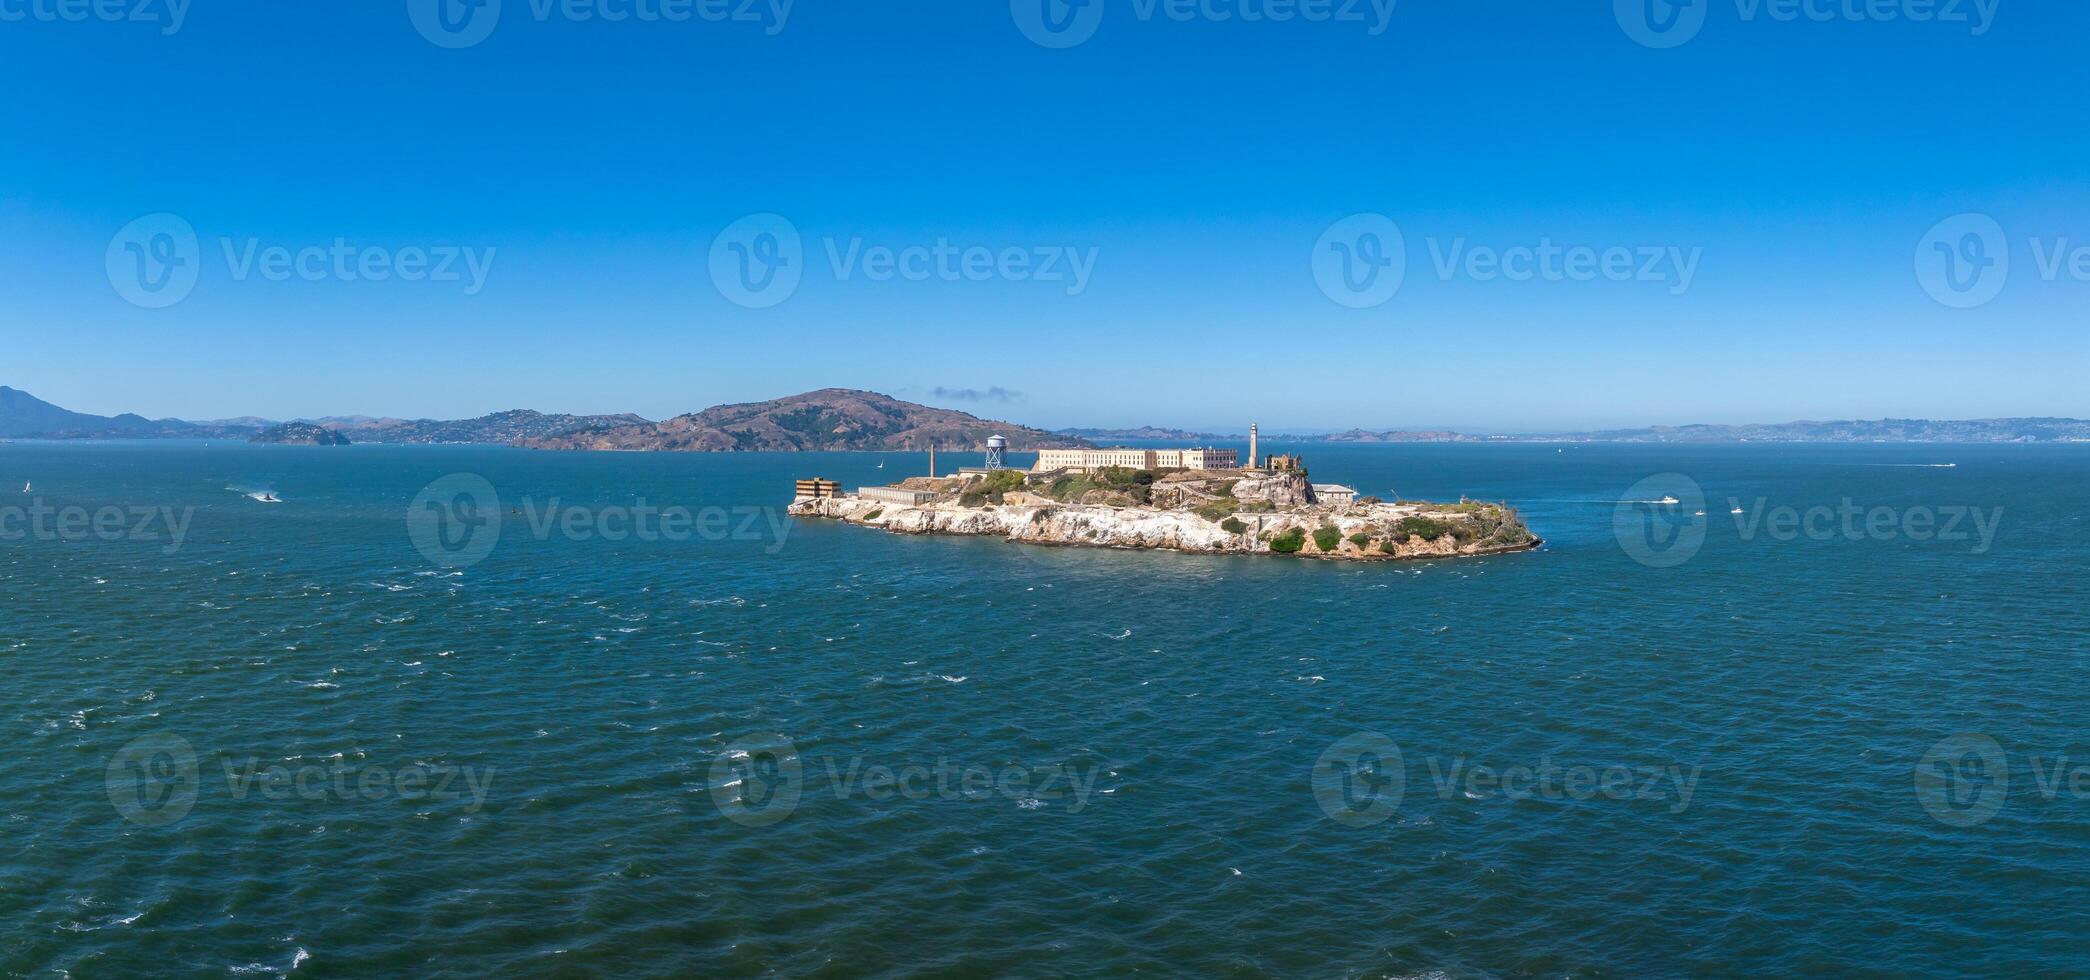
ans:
(1801, 164)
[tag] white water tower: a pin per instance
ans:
(995, 445)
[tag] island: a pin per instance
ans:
(299, 434)
(1192, 500)
(827, 420)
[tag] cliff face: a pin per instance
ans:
(1380, 526)
(828, 419)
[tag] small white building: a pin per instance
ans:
(1335, 493)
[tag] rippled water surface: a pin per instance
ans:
(588, 756)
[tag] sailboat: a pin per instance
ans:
(25, 486)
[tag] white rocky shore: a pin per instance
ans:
(1145, 527)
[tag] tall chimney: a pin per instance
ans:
(932, 461)
(1251, 445)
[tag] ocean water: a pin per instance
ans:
(518, 734)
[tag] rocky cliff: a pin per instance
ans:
(1375, 531)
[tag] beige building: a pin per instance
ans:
(1138, 459)
(895, 495)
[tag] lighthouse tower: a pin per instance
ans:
(1251, 446)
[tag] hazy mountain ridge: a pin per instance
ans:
(848, 419)
(23, 416)
(830, 419)
(1146, 433)
(2029, 430)
(2023, 430)
(500, 428)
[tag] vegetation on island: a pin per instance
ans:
(1305, 525)
(299, 434)
(1327, 537)
(991, 488)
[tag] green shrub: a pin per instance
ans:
(1233, 525)
(1428, 529)
(1326, 537)
(1068, 489)
(1293, 539)
(972, 498)
(1216, 509)
(1360, 539)
(999, 482)
(872, 516)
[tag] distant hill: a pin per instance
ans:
(24, 416)
(1360, 435)
(828, 419)
(1882, 430)
(1146, 433)
(299, 434)
(499, 428)
(845, 419)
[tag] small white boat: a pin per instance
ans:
(25, 486)
(1737, 510)
(1668, 501)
